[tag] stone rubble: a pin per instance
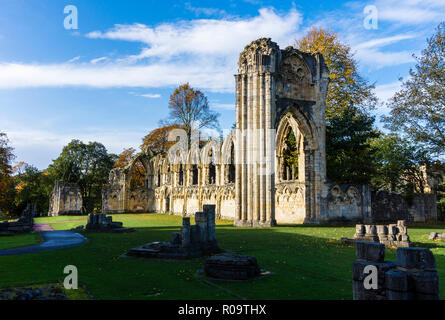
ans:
(391, 235)
(100, 222)
(192, 241)
(437, 236)
(412, 277)
(230, 266)
(23, 224)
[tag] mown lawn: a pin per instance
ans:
(20, 240)
(308, 262)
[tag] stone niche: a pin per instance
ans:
(412, 277)
(190, 242)
(65, 199)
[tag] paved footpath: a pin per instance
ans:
(52, 240)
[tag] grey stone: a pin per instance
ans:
(232, 266)
(370, 251)
(426, 282)
(419, 258)
(396, 280)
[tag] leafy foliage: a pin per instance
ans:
(88, 165)
(349, 154)
(6, 156)
(124, 158)
(349, 99)
(346, 87)
(398, 165)
(418, 109)
(157, 140)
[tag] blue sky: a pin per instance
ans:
(110, 79)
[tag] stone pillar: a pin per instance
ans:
(185, 232)
(209, 210)
(202, 222)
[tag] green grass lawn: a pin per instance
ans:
(19, 240)
(308, 262)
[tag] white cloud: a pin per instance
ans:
(411, 12)
(224, 37)
(203, 52)
(225, 106)
(94, 61)
(73, 59)
(150, 95)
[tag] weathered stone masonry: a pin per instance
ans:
(278, 93)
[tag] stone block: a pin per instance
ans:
(399, 295)
(433, 235)
(420, 296)
(396, 280)
(418, 258)
(426, 282)
(232, 266)
(370, 251)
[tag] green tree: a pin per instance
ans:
(418, 109)
(398, 165)
(350, 157)
(88, 165)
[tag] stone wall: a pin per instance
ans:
(390, 206)
(65, 199)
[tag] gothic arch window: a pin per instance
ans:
(212, 170)
(194, 174)
(181, 175)
(159, 178)
(231, 166)
(289, 163)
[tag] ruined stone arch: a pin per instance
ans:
(228, 159)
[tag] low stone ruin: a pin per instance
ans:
(23, 224)
(232, 266)
(437, 236)
(192, 241)
(412, 277)
(391, 235)
(101, 223)
(65, 199)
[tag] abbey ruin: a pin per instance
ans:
(278, 93)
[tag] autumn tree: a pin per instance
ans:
(157, 140)
(124, 158)
(190, 109)
(6, 170)
(349, 125)
(347, 89)
(418, 109)
(32, 186)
